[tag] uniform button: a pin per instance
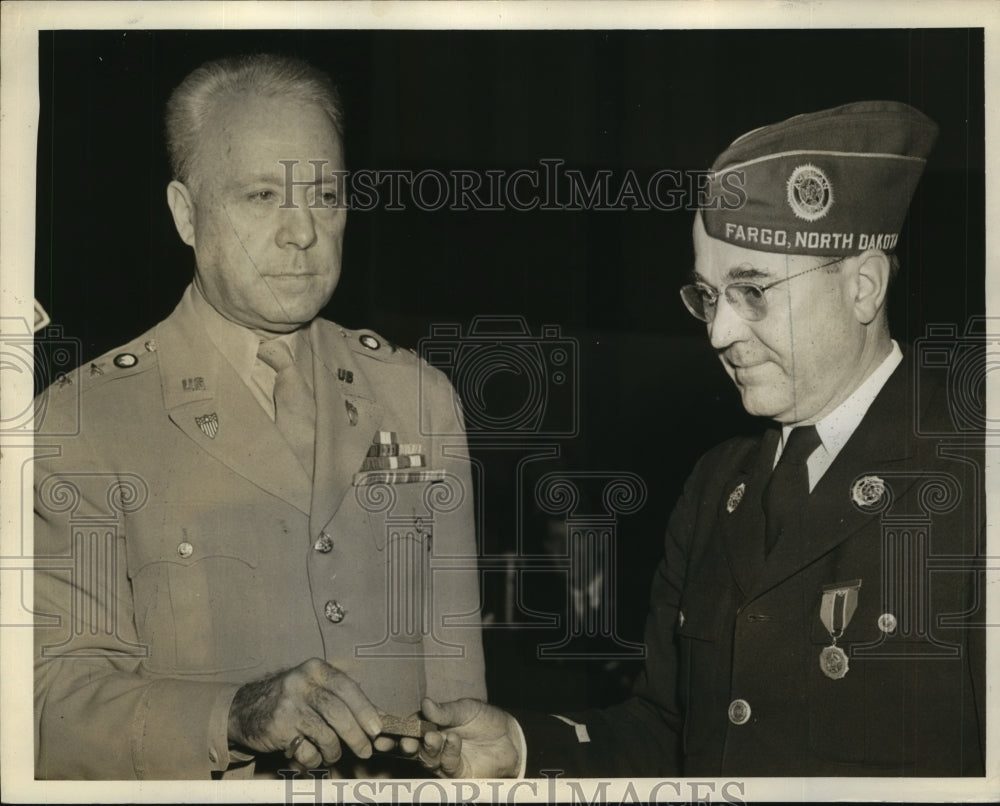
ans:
(323, 544)
(739, 712)
(334, 611)
(887, 622)
(185, 550)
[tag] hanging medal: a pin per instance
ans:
(835, 611)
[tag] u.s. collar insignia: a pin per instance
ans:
(867, 491)
(810, 193)
(209, 424)
(735, 497)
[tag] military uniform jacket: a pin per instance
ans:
(732, 684)
(183, 549)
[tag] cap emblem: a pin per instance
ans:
(810, 194)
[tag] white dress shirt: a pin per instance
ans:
(837, 427)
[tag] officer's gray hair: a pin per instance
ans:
(265, 74)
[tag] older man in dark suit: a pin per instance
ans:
(819, 608)
(252, 509)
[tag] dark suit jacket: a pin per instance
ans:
(178, 561)
(724, 624)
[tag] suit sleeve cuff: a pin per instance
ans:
(220, 754)
(182, 729)
(550, 742)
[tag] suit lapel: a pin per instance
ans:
(347, 416)
(743, 527)
(881, 445)
(207, 400)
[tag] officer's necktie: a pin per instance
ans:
(788, 488)
(294, 406)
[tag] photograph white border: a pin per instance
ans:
(19, 108)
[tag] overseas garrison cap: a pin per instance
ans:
(835, 182)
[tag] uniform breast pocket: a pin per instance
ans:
(859, 710)
(837, 707)
(197, 592)
(401, 521)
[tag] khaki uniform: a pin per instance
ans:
(183, 550)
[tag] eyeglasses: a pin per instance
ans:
(746, 298)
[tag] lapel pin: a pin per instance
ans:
(193, 384)
(150, 346)
(62, 379)
(735, 497)
(345, 375)
(867, 491)
(209, 424)
(96, 369)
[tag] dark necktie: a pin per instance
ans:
(788, 488)
(294, 406)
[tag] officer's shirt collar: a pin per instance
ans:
(840, 424)
(238, 346)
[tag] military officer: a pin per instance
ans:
(796, 626)
(239, 546)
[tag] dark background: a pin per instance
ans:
(651, 395)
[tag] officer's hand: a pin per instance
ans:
(306, 712)
(475, 740)
(405, 746)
